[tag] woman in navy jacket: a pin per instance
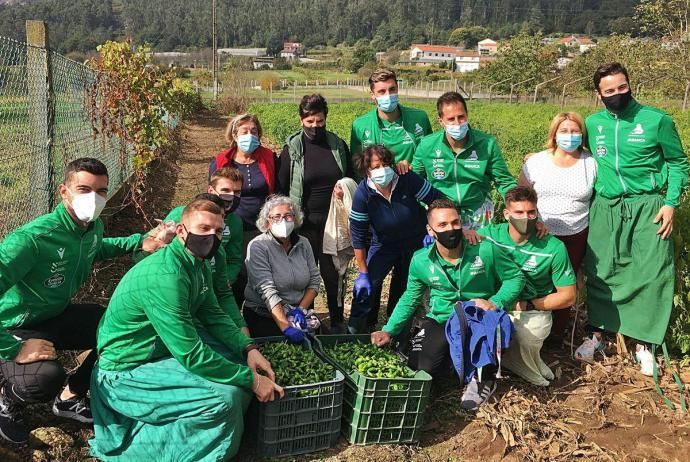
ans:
(387, 214)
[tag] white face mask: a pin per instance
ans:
(87, 207)
(283, 228)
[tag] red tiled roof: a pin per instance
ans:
(435, 48)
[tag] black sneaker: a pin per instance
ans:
(11, 424)
(73, 408)
(477, 393)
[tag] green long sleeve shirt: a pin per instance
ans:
(637, 152)
(483, 271)
(544, 262)
(400, 137)
(224, 267)
(42, 266)
(465, 177)
(152, 315)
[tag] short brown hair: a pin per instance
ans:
(381, 75)
(230, 173)
(558, 120)
(235, 123)
(362, 161)
(440, 204)
(449, 97)
(312, 104)
(609, 69)
(201, 205)
(521, 194)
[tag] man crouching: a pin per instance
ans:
(159, 391)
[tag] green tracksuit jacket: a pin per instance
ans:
(42, 266)
(637, 152)
(401, 136)
(223, 265)
(152, 315)
(484, 271)
(465, 177)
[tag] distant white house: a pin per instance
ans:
(432, 54)
(467, 61)
(562, 62)
(582, 44)
(292, 50)
(487, 47)
(251, 52)
(263, 62)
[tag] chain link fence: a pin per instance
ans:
(44, 124)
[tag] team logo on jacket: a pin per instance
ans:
(530, 264)
(438, 153)
(601, 151)
(226, 230)
(600, 128)
(477, 266)
(61, 252)
(638, 130)
(367, 133)
(56, 280)
(438, 174)
(418, 130)
(473, 156)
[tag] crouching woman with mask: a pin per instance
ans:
(283, 277)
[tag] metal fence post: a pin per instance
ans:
(41, 115)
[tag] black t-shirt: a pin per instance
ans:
(321, 172)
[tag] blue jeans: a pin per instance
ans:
(380, 261)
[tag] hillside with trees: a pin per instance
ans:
(78, 25)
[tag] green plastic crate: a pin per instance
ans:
(307, 419)
(379, 410)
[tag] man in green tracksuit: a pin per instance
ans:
(452, 271)
(396, 127)
(225, 189)
(462, 162)
(160, 391)
(42, 266)
(629, 262)
(549, 282)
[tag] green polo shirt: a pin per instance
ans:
(401, 136)
(544, 262)
(465, 177)
(483, 271)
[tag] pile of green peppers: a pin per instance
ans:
(294, 365)
(369, 360)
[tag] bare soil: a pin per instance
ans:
(601, 412)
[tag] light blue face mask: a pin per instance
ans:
(248, 143)
(569, 142)
(382, 176)
(388, 103)
(458, 132)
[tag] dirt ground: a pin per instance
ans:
(606, 411)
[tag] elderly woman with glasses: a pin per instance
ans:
(283, 276)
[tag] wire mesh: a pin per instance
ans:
(40, 135)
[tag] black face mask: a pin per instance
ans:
(315, 133)
(231, 202)
(450, 239)
(202, 245)
(617, 103)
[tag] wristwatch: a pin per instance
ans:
(248, 348)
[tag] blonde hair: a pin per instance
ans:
(234, 125)
(558, 120)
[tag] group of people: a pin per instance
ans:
(172, 365)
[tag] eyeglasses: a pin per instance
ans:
(277, 218)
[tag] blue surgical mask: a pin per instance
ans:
(248, 143)
(458, 132)
(388, 103)
(569, 142)
(382, 176)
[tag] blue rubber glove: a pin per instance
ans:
(296, 318)
(428, 241)
(362, 286)
(293, 335)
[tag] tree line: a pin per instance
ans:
(78, 25)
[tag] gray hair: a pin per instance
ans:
(273, 201)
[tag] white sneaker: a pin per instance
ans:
(646, 360)
(585, 352)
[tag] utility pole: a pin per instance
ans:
(215, 56)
